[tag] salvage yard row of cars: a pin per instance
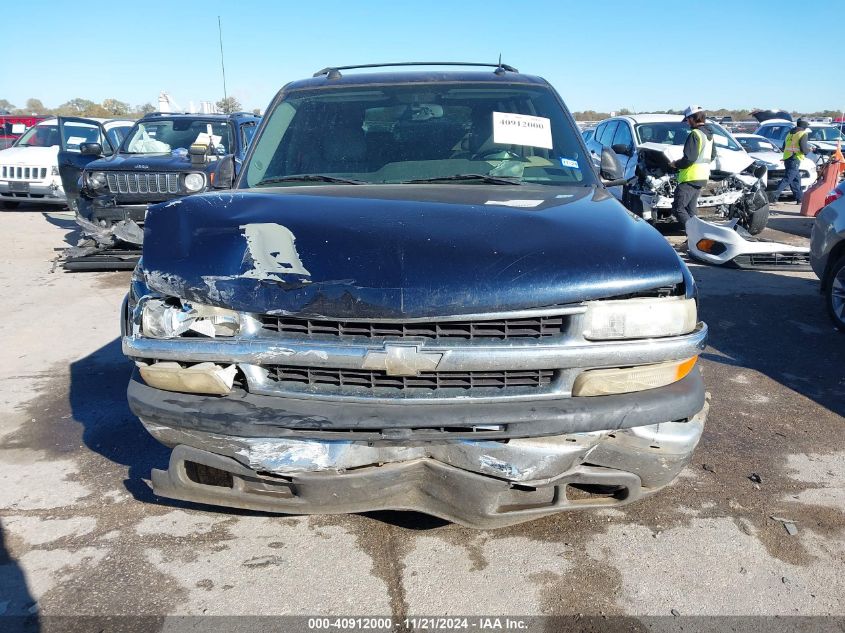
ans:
(419, 293)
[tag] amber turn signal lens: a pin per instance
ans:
(604, 382)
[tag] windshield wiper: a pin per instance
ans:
(493, 180)
(309, 178)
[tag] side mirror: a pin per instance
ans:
(90, 149)
(610, 167)
(622, 149)
(199, 153)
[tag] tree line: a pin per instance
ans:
(109, 108)
(737, 115)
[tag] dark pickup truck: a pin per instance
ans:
(163, 157)
(419, 296)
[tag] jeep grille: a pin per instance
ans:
(133, 182)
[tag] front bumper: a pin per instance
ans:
(45, 192)
(480, 484)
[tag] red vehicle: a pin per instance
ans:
(13, 125)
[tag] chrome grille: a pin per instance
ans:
(142, 183)
(432, 380)
(501, 329)
(22, 172)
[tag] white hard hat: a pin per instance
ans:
(692, 110)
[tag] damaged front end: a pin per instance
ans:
(727, 195)
(294, 369)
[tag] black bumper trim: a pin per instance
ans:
(241, 414)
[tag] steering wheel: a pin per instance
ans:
(508, 155)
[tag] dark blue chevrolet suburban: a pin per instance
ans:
(419, 296)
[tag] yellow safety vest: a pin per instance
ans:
(792, 145)
(700, 169)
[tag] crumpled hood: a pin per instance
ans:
(403, 251)
(43, 156)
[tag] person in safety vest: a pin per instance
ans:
(694, 166)
(795, 148)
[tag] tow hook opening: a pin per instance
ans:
(208, 475)
(586, 492)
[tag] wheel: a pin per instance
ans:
(10, 204)
(835, 294)
(759, 219)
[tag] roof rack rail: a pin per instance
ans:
(192, 113)
(333, 72)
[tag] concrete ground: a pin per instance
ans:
(83, 535)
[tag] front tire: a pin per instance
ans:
(835, 294)
(759, 220)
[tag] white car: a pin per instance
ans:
(29, 170)
(644, 142)
(762, 149)
(823, 136)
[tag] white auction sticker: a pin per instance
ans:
(522, 129)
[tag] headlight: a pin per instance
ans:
(603, 382)
(639, 318)
(96, 180)
(194, 182)
(161, 319)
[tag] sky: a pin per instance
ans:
(598, 55)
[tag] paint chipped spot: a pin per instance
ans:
(172, 203)
(273, 251)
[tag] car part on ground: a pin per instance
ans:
(727, 243)
(164, 157)
(827, 254)
(348, 336)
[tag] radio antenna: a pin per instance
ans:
(222, 65)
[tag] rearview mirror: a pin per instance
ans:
(622, 149)
(90, 149)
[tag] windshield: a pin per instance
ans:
(826, 134)
(44, 135)
(757, 145)
(676, 132)
(160, 136)
(400, 133)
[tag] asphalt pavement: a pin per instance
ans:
(81, 533)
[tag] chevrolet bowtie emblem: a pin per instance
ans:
(402, 360)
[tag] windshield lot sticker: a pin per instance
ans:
(568, 162)
(522, 129)
(521, 204)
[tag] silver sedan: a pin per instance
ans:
(827, 254)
